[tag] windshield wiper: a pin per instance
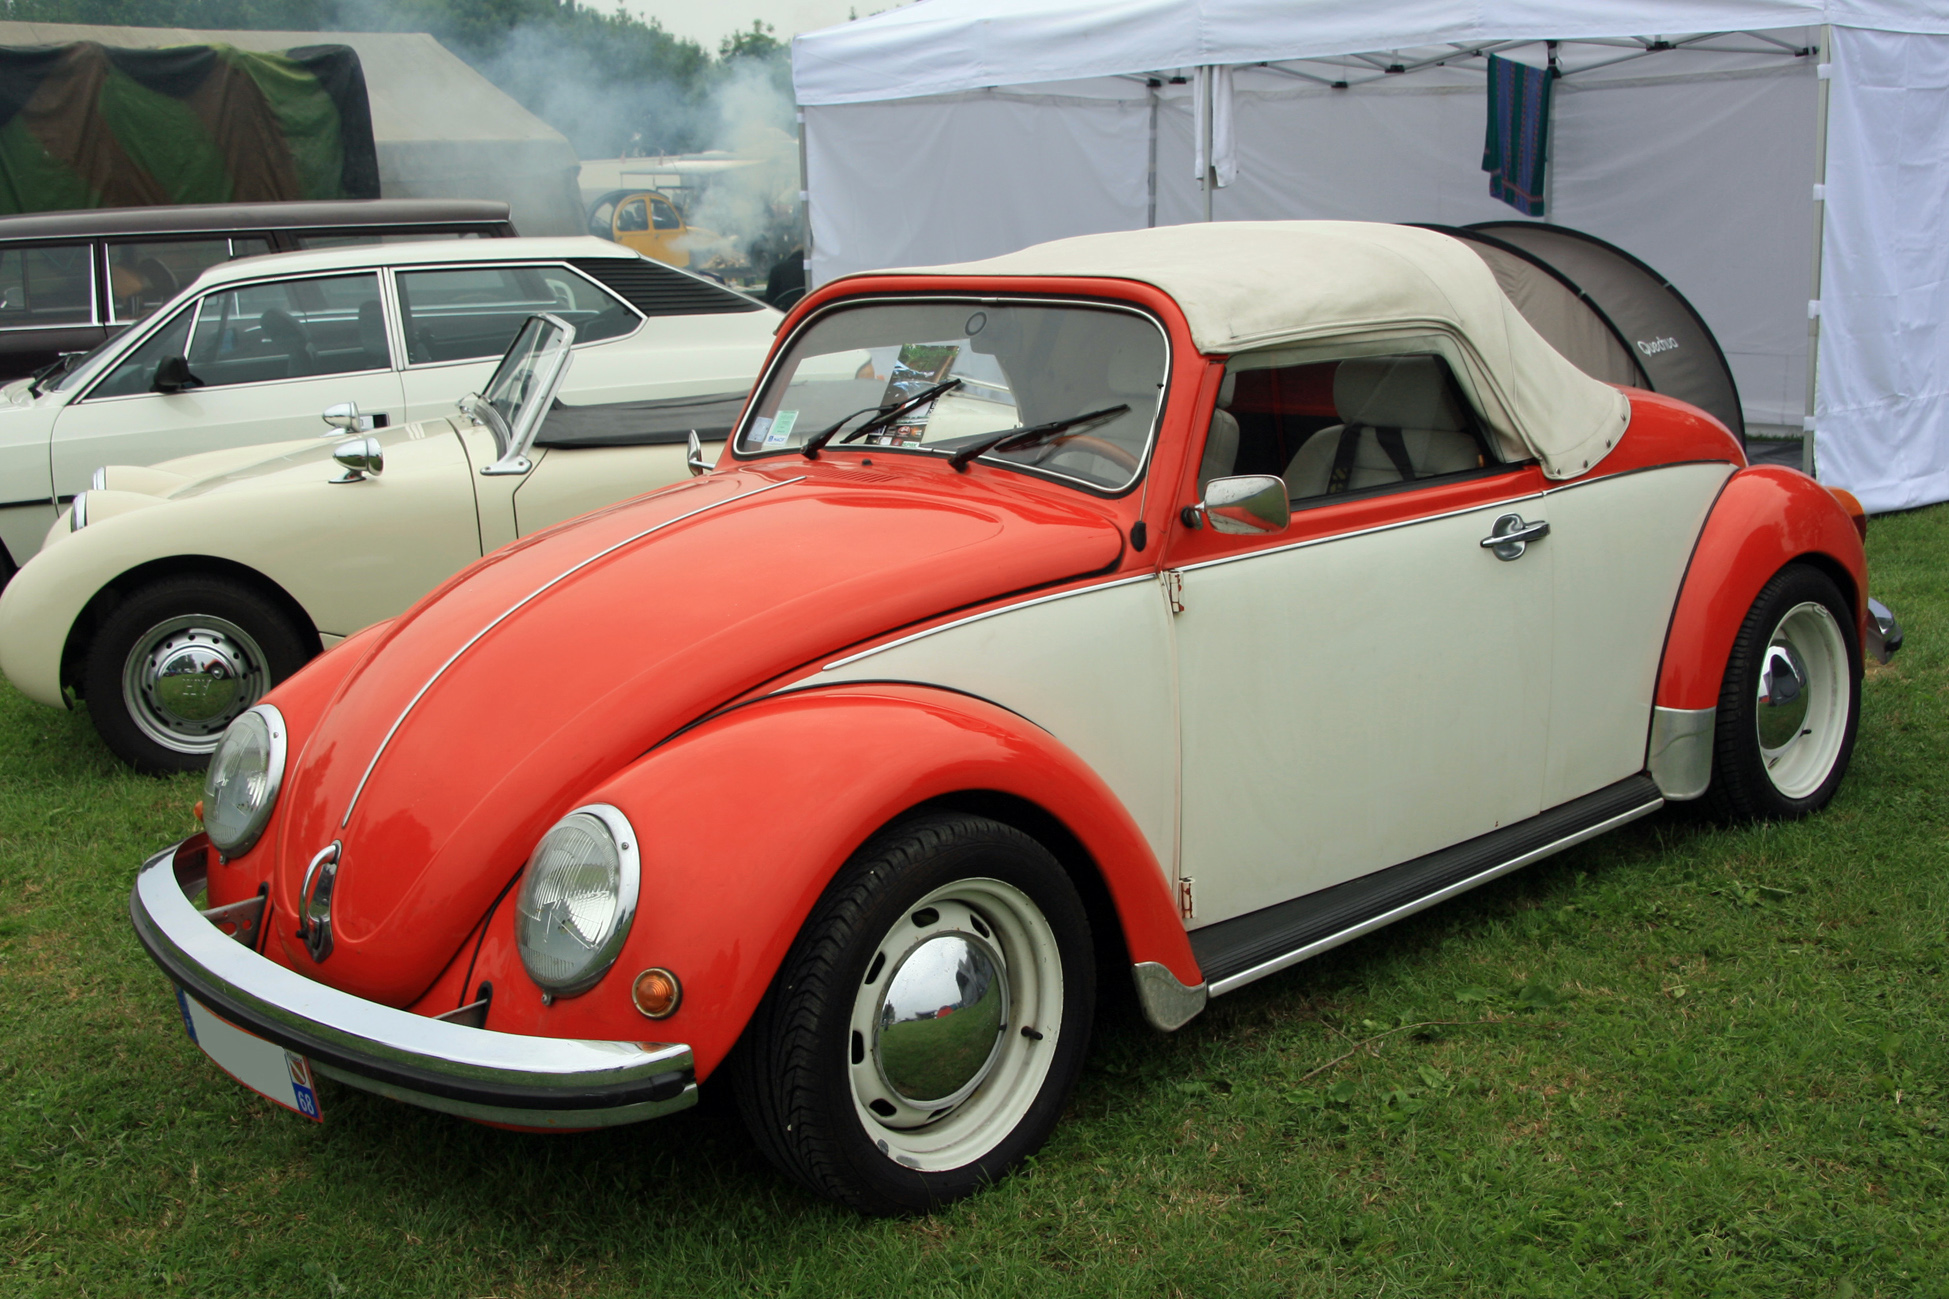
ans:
(54, 369)
(1016, 439)
(887, 414)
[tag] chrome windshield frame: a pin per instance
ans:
(1079, 301)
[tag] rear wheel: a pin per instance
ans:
(180, 659)
(928, 1025)
(1790, 701)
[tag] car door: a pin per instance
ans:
(260, 361)
(1372, 683)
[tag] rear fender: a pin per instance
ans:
(745, 819)
(1766, 518)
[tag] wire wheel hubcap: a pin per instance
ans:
(1801, 708)
(187, 678)
(954, 1024)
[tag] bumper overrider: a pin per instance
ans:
(543, 1082)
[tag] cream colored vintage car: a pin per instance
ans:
(170, 598)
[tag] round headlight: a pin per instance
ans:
(576, 900)
(241, 786)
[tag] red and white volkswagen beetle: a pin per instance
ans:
(1188, 601)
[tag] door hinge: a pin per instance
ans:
(1186, 907)
(1173, 589)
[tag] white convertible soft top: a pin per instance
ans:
(1250, 285)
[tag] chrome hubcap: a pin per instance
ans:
(188, 678)
(940, 1025)
(955, 1021)
(1801, 712)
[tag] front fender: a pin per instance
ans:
(745, 819)
(1765, 518)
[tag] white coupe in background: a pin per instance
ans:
(254, 349)
(170, 598)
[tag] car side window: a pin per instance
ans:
(136, 372)
(632, 217)
(474, 312)
(601, 217)
(1331, 428)
(290, 329)
(49, 284)
(145, 273)
(664, 216)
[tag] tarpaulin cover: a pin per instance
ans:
(87, 125)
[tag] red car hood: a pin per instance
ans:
(490, 709)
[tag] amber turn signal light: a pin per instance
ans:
(657, 993)
(198, 810)
(1852, 505)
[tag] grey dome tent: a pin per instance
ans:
(1612, 316)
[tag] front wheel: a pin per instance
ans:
(929, 1022)
(177, 661)
(1790, 702)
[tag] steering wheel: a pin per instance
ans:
(1093, 445)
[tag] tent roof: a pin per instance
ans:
(1352, 278)
(419, 90)
(942, 46)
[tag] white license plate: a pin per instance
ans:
(264, 1067)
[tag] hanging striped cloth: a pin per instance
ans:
(1519, 126)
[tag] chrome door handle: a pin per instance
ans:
(1511, 536)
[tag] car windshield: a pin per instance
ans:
(1019, 366)
(525, 375)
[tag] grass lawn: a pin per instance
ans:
(1682, 1060)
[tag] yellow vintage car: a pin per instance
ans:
(647, 221)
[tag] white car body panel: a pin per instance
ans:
(1621, 546)
(1290, 662)
(1043, 660)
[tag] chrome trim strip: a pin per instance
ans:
(535, 1081)
(1679, 756)
(514, 608)
(977, 617)
(1168, 1004)
(1406, 909)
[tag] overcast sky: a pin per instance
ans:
(709, 23)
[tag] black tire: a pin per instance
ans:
(798, 1066)
(241, 627)
(1750, 780)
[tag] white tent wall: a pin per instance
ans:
(1705, 172)
(1883, 413)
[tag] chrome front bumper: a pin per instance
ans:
(543, 1082)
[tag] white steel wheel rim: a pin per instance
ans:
(168, 654)
(951, 1132)
(1800, 762)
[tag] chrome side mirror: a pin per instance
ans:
(1251, 505)
(345, 418)
(694, 456)
(361, 457)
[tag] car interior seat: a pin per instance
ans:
(289, 337)
(1221, 442)
(1400, 420)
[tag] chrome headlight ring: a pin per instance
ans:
(241, 787)
(577, 899)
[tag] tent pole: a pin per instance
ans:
(1823, 70)
(805, 204)
(1150, 180)
(1211, 170)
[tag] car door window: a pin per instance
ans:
(601, 217)
(52, 284)
(632, 217)
(474, 312)
(287, 329)
(1343, 427)
(665, 217)
(136, 372)
(144, 274)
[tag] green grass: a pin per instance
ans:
(1682, 1060)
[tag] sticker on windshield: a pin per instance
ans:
(778, 431)
(918, 367)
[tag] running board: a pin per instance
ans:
(1233, 953)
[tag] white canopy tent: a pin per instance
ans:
(1775, 159)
